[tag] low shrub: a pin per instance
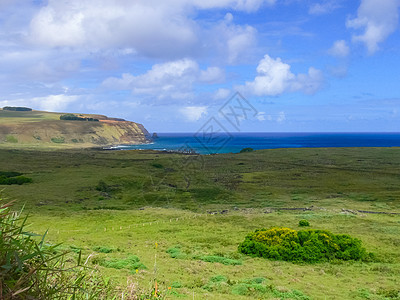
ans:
(244, 150)
(157, 165)
(11, 139)
(103, 187)
(175, 252)
(176, 284)
(255, 288)
(304, 223)
(309, 246)
(221, 260)
(102, 249)
(58, 140)
(14, 180)
(131, 263)
(9, 174)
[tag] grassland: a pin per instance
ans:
(184, 215)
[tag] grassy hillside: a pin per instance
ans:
(183, 216)
(45, 129)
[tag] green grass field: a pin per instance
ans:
(183, 216)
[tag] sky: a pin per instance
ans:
(174, 65)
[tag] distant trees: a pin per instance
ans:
(72, 117)
(15, 108)
(244, 150)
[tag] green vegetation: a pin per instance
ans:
(58, 140)
(32, 269)
(8, 178)
(309, 246)
(15, 180)
(203, 212)
(254, 288)
(11, 139)
(13, 108)
(244, 150)
(103, 249)
(131, 263)
(72, 117)
(304, 223)
(176, 252)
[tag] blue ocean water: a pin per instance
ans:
(206, 143)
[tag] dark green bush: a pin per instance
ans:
(304, 223)
(103, 187)
(69, 117)
(10, 174)
(58, 140)
(157, 165)
(244, 150)
(14, 180)
(309, 246)
(72, 117)
(16, 108)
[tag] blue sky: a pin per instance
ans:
(326, 65)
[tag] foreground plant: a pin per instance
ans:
(32, 269)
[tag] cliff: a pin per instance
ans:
(41, 128)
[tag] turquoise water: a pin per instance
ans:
(226, 142)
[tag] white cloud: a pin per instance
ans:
(240, 39)
(233, 41)
(324, 7)
(171, 80)
(48, 103)
(194, 113)
(281, 117)
(151, 27)
(275, 77)
(261, 116)
(222, 94)
(55, 102)
(378, 19)
(212, 75)
(240, 5)
(167, 78)
(339, 48)
(154, 28)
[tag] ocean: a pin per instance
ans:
(206, 143)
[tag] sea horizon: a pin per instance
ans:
(225, 142)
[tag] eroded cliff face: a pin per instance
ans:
(48, 129)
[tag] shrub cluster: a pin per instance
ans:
(58, 140)
(9, 178)
(244, 150)
(304, 223)
(14, 108)
(302, 246)
(131, 263)
(15, 180)
(256, 288)
(72, 117)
